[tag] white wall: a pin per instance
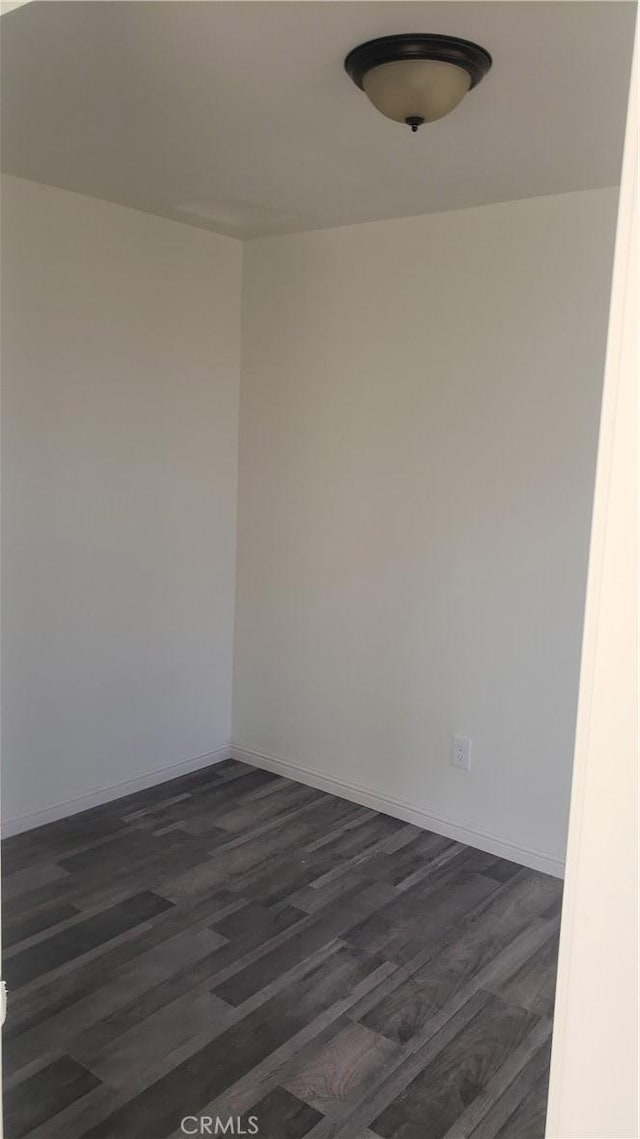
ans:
(418, 431)
(595, 1059)
(120, 375)
(419, 416)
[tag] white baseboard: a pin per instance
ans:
(492, 844)
(113, 791)
(364, 796)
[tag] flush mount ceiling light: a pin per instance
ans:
(415, 79)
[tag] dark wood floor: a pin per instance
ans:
(232, 943)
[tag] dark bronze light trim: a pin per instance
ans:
(389, 49)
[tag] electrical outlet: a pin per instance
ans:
(461, 753)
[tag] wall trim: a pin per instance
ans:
(366, 797)
(114, 791)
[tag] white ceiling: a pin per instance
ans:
(238, 117)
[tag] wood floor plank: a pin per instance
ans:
(472, 942)
(40, 1000)
(252, 811)
(45, 1094)
(231, 942)
(339, 1068)
(60, 1020)
(276, 1068)
(443, 1090)
(190, 1085)
(529, 1118)
(40, 875)
(281, 1116)
(80, 1117)
(144, 1043)
(508, 1089)
(39, 921)
(97, 930)
(365, 1103)
(533, 986)
(418, 1052)
(398, 865)
(331, 922)
(399, 930)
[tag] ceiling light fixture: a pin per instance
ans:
(415, 79)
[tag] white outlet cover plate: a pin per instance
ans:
(461, 753)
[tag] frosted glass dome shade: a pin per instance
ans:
(408, 90)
